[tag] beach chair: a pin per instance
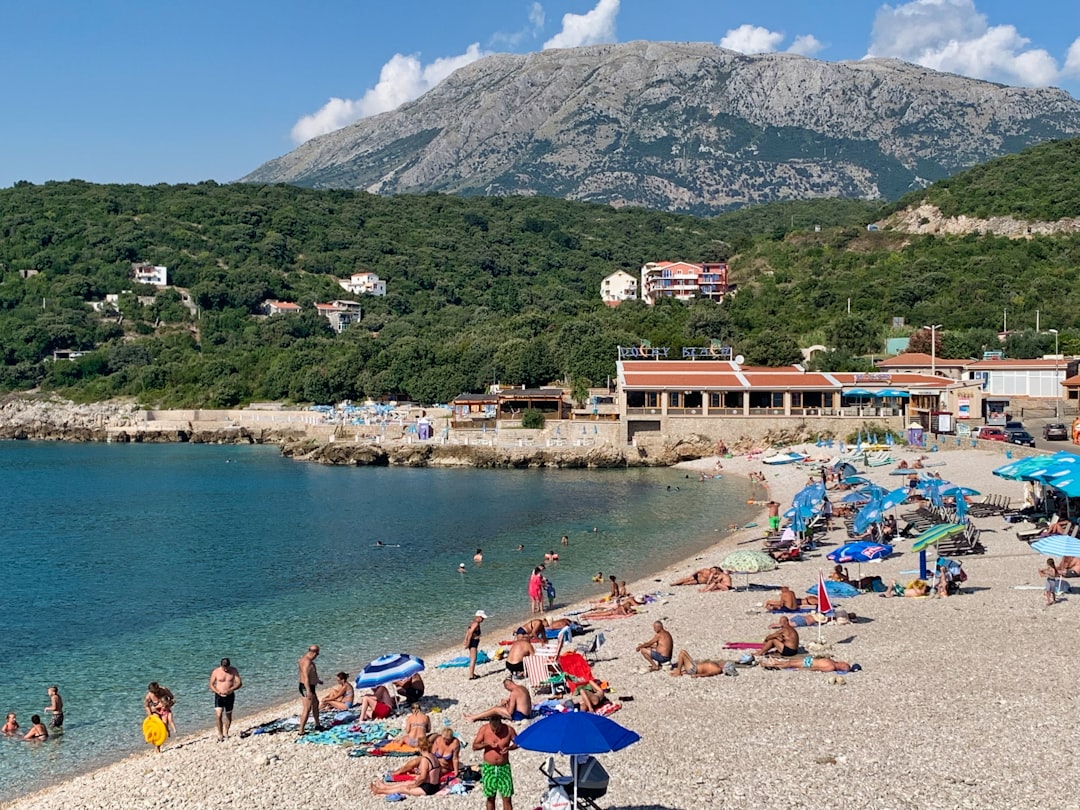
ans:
(587, 775)
(543, 674)
(592, 647)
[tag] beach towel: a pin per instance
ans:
(463, 660)
(797, 610)
(609, 708)
(743, 645)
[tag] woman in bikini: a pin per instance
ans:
(417, 725)
(341, 696)
(426, 782)
(447, 749)
(160, 701)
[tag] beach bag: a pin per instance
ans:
(469, 774)
(556, 799)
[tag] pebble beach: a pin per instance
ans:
(964, 701)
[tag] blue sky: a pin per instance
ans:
(148, 92)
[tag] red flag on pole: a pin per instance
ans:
(823, 600)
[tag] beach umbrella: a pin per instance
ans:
(844, 468)
(890, 500)
(870, 513)
(961, 508)
(798, 521)
(956, 491)
(895, 393)
(575, 734)
(1058, 545)
(855, 480)
(935, 533)
(748, 561)
(856, 497)
(860, 552)
(386, 668)
(873, 490)
(834, 590)
(889, 439)
(857, 392)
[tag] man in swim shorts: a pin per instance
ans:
(658, 649)
(309, 679)
(811, 663)
(685, 665)
(784, 641)
(774, 516)
(224, 681)
(517, 706)
(521, 649)
(55, 707)
(496, 740)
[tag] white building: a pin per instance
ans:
(618, 287)
(363, 284)
(142, 273)
(280, 307)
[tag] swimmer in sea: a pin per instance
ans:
(478, 557)
(521, 547)
(461, 568)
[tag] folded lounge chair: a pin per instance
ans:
(589, 775)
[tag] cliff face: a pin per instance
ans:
(679, 126)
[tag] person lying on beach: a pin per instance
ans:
(417, 725)
(447, 749)
(411, 688)
(719, 580)
(618, 611)
(810, 663)
(341, 695)
(379, 705)
(517, 706)
(521, 649)
(699, 577)
(37, 729)
(784, 641)
(11, 725)
(916, 587)
(685, 665)
(589, 696)
(1069, 566)
(789, 601)
(428, 779)
(658, 649)
(814, 619)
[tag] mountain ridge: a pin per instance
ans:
(680, 126)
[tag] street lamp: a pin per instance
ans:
(1057, 392)
(933, 347)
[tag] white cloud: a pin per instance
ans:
(537, 18)
(401, 79)
(591, 28)
(1072, 59)
(952, 35)
(806, 45)
(751, 39)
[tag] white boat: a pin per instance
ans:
(784, 458)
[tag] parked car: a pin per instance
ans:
(1055, 431)
(993, 434)
(1014, 426)
(1020, 437)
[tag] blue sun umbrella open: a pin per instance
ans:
(387, 668)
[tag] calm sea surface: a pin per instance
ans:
(125, 564)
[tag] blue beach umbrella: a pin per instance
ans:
(893, 499)
(860, 552)
(955, 491)
(575, 734)
(961, 509)
(386, 668)
(798, 522)
(839, 590)
(1058, 545)
(894, 393)
(869, 514)
(856, 497)
(855, 480)
(857, 392)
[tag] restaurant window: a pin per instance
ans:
(673, 399)
(714, 400)
(652, 399)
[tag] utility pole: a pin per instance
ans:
(933, 347)
(1057, 382)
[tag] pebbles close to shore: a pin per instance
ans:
(962, 702)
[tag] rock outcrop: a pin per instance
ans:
(681, 126)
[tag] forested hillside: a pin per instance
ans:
(479, 289)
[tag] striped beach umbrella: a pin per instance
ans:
(387, 668)
(1058, 545)
(748, 561)
(935, 533)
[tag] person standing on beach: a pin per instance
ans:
(55, 707)
(536, 590)
(1052, 574)
(309, 679)
(224, 681)
(496, 740)
(774, 516)
(472, 641)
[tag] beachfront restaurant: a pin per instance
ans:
(685, 396)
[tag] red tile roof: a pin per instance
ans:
(917, 359)
(1038, 363)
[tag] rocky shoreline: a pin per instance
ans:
(44, 418)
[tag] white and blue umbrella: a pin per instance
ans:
(961, 508)
(860, 552)
(958, 492)
(857, 392)
(890, 500)
(855, 480)
(1058, 545)
(387, 668)
(869, 514)
(856, 497)
(873, 490)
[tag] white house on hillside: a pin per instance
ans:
(280, 307)
(684, 281)
(618, 287)
(363, 284)
(143, 273)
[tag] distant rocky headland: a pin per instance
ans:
(301, 437)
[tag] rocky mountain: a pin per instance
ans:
(680, 126)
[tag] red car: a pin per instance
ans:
(993, 434)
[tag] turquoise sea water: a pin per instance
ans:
(124, 564)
